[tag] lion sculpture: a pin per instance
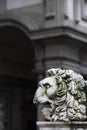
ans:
(62, 95)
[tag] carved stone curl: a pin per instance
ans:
(62, 95)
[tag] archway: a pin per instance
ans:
(17, 78)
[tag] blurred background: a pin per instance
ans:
(36, 35)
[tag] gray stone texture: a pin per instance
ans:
(54, 39)
(62, 125)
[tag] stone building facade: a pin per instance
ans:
(36, 35)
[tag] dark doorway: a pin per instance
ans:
(17, 78)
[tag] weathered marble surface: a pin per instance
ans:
(74, 125)
(62, 95)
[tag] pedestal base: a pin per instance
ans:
(72, 125)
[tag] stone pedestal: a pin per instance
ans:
(61, 125)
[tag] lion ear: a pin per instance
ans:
(58, 79)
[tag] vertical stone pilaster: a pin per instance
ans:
(62, 52)
(39, 68)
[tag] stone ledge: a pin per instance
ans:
(61, 125)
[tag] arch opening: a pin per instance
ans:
(17, 78)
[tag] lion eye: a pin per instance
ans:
(47, 85)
